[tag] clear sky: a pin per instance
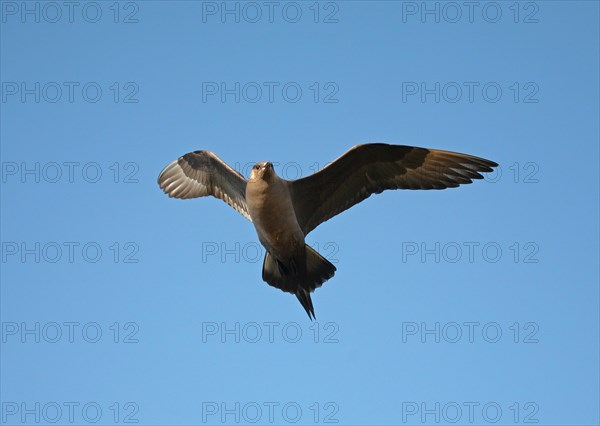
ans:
(473, 305)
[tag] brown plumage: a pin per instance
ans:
(284, 212)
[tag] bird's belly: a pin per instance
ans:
(278, 229)
(280, 236)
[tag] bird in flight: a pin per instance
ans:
(285, 211)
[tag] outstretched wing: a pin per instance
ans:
(202, 173)
(372, 168)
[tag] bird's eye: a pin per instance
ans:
(255, 167)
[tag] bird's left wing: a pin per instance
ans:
(202, 173)
(372, 168)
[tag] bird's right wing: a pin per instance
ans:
(202, 173)
(373, 168)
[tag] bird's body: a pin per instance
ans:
(272, 212)
(284, 212)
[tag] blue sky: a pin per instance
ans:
(474, 305)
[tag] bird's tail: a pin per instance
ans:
(318, 270)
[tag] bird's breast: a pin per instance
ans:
(273, 215)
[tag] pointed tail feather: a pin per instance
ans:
(306, 302)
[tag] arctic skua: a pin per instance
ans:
(285, 211)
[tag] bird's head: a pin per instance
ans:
(263, 170)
